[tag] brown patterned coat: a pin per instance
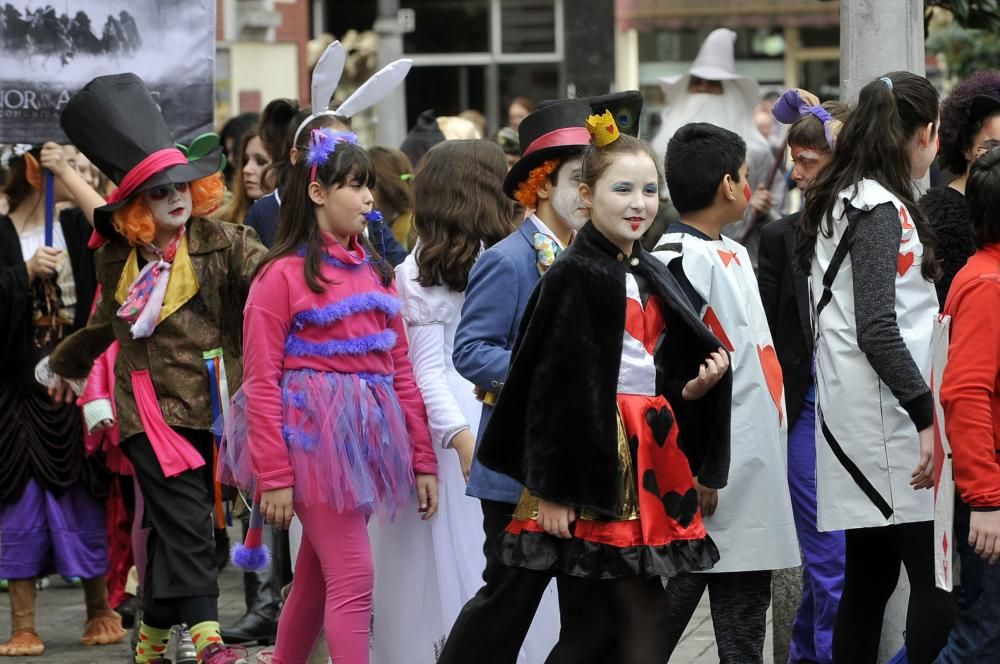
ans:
(224, 257)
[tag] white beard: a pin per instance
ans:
(728, 110)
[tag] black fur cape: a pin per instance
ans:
(554, 426)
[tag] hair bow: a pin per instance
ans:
(323, 143)
(796, 104)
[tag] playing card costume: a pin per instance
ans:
(866, 443)
(753, 526)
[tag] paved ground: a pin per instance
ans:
(61, 617)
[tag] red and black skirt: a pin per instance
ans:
(658, 530)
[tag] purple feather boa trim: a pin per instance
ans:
(254, 559)
(354, 304)
(324, 143)
(381, 342)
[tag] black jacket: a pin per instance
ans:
(554, 427)
(785, 294)
(40, 439)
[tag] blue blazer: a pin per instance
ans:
(500, 284)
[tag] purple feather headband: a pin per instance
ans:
(323, 143)
(791, 107)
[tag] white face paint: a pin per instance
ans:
(170, 205)
(566, 199)
(625, 198)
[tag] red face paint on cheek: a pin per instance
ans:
(747, 191)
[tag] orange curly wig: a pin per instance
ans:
(527, 192)
(135, 221)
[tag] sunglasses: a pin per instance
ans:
(160, 193)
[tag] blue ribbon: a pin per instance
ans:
(214, 394)
(50, 206)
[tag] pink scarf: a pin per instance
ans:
(145, 295)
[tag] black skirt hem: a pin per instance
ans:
(594, 560)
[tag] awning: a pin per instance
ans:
(707, 14)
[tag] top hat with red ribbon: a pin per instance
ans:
(114, 121)
(556, 131)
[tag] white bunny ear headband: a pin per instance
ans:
(326, 76)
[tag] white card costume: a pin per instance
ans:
(944, 476)
(866, 444)
(753, 525)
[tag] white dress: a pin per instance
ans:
(425, 572)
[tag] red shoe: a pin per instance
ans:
(217, 653)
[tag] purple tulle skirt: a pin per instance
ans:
(346, 437)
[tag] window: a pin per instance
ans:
(459, 26)
(528, 26)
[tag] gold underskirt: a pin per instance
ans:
(628, 497)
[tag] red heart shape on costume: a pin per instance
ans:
(654, 323)
(610, 129)
(713, 323)
(904, 262)
(646, 326)
(772, 376)
(905, 218)
(634, 323)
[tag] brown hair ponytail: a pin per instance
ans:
(875, 144)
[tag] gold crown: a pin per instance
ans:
(603, 129)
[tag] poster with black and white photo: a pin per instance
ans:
(49, 49)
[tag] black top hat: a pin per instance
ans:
(114, 121)
(554, 132)
(626, 107)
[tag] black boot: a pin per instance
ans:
(262, 591)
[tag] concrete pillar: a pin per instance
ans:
(878, 37)
(390, 113)
(627, 59)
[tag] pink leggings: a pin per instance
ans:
(333, 586)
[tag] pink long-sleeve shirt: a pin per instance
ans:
(353, 326)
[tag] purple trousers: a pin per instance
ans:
(822, 553)
(41, 533)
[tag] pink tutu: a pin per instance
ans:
(347, 442)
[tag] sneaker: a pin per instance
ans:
(217, 653)
(265, 655)
(42, 582)
(185, 652)
(74, 581)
